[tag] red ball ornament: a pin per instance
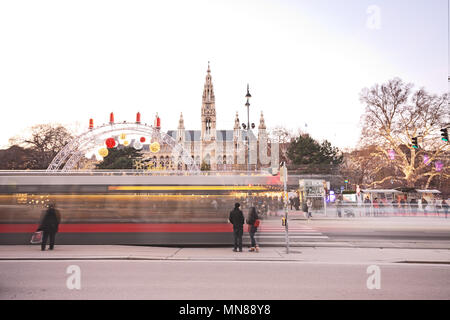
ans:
(142, 139)
(110, 143)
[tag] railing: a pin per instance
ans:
(130, 172)
(384, 210)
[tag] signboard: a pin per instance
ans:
(349, 197)
(312, 188)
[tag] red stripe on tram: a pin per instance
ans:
(121, 227)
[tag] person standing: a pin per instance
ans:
(376, 207)
(237, 219)
(253, 224)
(367, 206)
(309, 205)
(414, 205)
(444, 205)
(424, 203)
(49, 226)
(403, 206)
(339, 206)
(394, 206)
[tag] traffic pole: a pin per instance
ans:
(284, 168)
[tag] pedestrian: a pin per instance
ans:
(394, 206)
(297, 202)
(414, 206)
(424, 206)
(253, 224)
(339, 206)
(444, 205)
(309, 205)
(237, 219)
(49, 224)
(402, 205)
(437, 206)
(376, 207)
(367, 205)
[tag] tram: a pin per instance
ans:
(130, 208)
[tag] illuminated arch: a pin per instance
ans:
(72, 153)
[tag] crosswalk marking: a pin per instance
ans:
(270, 233)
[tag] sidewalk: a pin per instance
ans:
(307, 254)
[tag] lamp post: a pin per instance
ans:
(247, 104)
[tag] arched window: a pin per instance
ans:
(207, 159)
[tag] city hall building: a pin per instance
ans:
(215, 149)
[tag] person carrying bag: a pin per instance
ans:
(49, 226)
(253, 222)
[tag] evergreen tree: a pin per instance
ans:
(120, 158)
(304, 150)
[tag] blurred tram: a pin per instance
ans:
(124, 208)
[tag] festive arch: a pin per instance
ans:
(76, 149)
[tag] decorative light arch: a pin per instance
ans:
(71, 154)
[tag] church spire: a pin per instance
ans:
(181, 122)
(208, 90)
(262, 124)
(236, 122)
(208, 109)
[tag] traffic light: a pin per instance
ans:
(415, 144)
(444, 134)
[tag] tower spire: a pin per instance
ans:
(262, 124)
(181, 122)
(208, 109)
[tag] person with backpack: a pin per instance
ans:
(253, 224)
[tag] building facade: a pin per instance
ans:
(211, 148)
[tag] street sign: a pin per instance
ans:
(342, 188)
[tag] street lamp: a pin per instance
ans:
(247, 127)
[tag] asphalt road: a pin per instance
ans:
(213, 280)
(382, 228)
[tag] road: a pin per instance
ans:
(213, 280)
(380, 231)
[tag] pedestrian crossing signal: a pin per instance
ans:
(415, 143)
(444, 134)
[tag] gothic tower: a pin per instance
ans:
(208, 110)
(181, 130)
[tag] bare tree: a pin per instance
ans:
(394, 115)
(283, 137)
(44, 142)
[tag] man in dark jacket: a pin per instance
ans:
(237, 219)
(49, 225)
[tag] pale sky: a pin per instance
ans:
(306, 61)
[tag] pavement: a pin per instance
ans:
(306, 254)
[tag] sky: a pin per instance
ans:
(306, 61)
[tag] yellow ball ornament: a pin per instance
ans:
(155, 147)
(103, 152)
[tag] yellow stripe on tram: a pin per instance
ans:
(187, 188)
